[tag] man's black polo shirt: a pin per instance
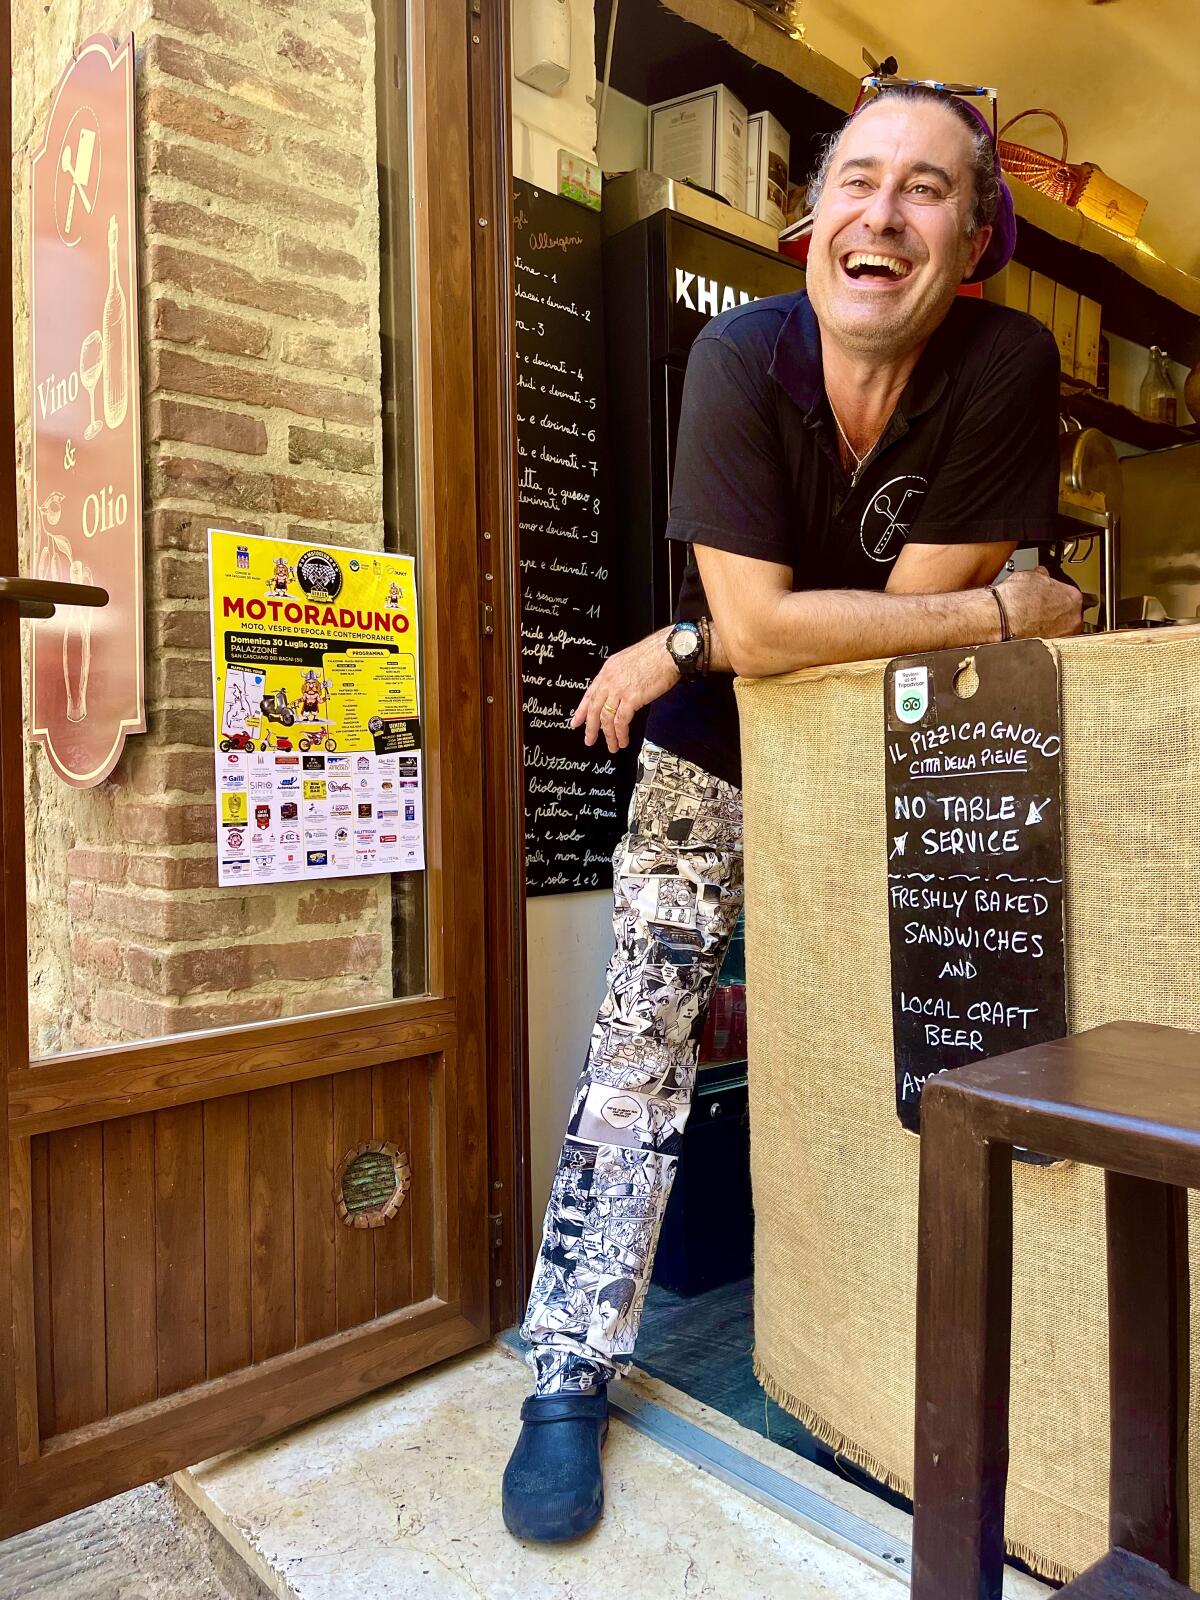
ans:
(970, 456)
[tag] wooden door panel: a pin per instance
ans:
(354, 1248)
(227, 1300)
(131, 1325)
(391, 1094)
(272, 1278)
(179, 1247)
(75, 1341)
(315, 1220)
(186, 1245)
(64, 1091)
(426, 1157)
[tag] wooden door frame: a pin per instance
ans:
(468, 481)
(499, 551)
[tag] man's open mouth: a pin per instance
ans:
(862, 265)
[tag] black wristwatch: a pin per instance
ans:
(687, 646)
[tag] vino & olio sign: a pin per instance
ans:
(87, 665)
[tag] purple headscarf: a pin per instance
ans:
(1003, 242)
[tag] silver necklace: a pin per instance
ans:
(859, 461)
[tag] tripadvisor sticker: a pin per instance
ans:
(912, 693)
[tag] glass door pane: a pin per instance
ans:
(269, 208)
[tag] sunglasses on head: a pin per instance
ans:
(883, 76)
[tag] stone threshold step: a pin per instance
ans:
(398, 1495)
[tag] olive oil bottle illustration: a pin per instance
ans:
(114, 333)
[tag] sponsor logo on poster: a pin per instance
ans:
(319, 575)
(318, 858)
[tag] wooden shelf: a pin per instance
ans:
(1094, 411)
(832, 91)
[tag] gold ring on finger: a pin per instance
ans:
(610, 708)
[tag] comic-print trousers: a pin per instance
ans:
(678, 893)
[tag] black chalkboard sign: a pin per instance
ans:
(569, 588)
(975, 879)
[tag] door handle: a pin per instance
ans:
(37, 597)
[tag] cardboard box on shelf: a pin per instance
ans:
(1087, 341)
(1066, 315)
(1041, 299)
(768, 152)
(1009, 287)
(702, 137)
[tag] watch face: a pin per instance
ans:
(684, 643)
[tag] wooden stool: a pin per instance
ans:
(1125, 1097)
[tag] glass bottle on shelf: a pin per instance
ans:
(1156, 399)
(1102, 359)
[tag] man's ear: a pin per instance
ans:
(979, 244)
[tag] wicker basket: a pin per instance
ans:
(1080, 184)
(1061, 179)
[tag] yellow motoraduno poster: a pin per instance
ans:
(316, 700)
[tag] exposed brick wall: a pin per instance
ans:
(261, 412)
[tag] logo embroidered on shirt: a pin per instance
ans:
(889, 515)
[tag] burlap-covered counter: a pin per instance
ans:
(835, 1176)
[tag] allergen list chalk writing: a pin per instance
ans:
(569, 596)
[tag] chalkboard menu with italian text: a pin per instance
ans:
(570, 592)
(975, 878)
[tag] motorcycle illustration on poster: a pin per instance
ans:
(316, 700)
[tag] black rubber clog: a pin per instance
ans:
(553, 1486)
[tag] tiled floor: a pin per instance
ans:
(398, 1496)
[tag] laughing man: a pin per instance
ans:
(855, 464)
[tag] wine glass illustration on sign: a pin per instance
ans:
(91, 365)
(55, 560)
(114, 327)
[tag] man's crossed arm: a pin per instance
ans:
(761, 626)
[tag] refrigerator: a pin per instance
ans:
(665, 277)
(1160, 530)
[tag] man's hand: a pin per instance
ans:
(625, 683)
(1040, 607)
